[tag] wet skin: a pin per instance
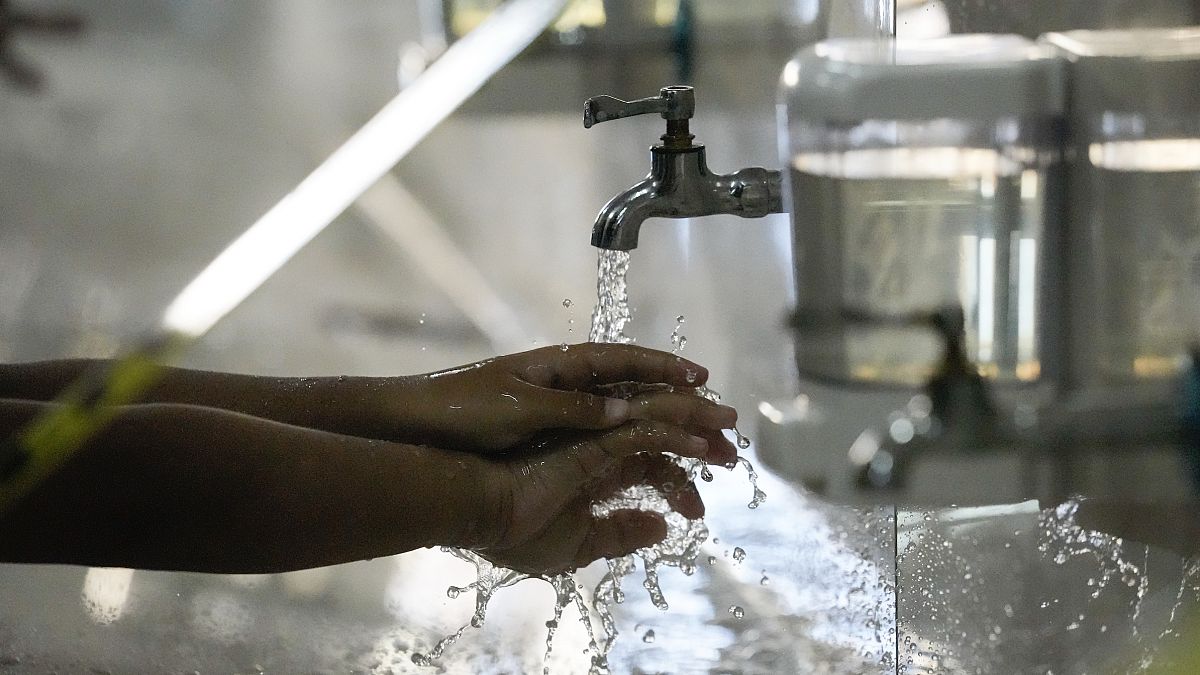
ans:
(235, 473)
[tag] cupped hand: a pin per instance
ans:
(537, 510)
(497, 405)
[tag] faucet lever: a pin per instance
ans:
(673, 103)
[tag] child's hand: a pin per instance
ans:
(498, 404)
(537, 508)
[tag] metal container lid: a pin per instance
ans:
(972, 77)
(1148, 71)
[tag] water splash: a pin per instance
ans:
(567, 593)
(975, 587)
(609, 594)
(679, 549)
(1062, 538)
(685, 538)
(678, 340)
(488, 579)
(752, 475)
(742, 441)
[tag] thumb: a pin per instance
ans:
(581, 410)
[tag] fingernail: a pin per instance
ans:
(616, 409)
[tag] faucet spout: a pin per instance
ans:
(681, 186)
(620, 221)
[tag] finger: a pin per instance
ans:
(665, 476)
(591, 457)
(559, 409)
(621, 533)
(652, 437)
(721, 451)
(590, 364)
(686, 410)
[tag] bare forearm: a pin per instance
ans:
(345, 405)
(187, 488)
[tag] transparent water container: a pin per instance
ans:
(920, 175)
(1133, 268)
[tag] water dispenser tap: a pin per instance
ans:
(679, 184)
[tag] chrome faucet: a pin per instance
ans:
(679, 184)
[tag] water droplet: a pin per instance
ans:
(764, 580)
(758, 499)
(453, 592)
(737, 612)
(712, 560)
(564, 347)
(739, 554)
(648, 636)
(706, 475)
(682, 342)
(567, 302)
(680, 319)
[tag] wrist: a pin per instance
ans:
(383, 408)
(484, 505)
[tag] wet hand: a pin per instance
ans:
(537, 510)
(497, 405)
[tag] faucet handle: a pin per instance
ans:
(673, 103)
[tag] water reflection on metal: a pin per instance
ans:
(1016, 590)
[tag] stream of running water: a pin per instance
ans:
(680, 549)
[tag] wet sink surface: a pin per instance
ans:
(1003, 589)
